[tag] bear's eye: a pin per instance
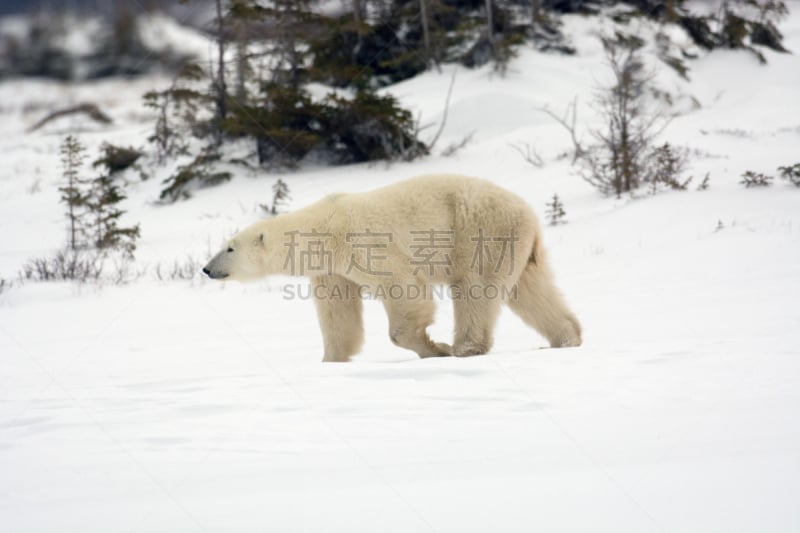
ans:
(230, 249)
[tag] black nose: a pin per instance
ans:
(207, 272)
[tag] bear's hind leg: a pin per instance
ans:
(540, 305)
(474, 323)
(408, 321)
(339, 309)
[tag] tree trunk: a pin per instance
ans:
(71, 218)
(358, 16)
(490, 25)
(536, 15)
(222, 110)
(426, 37)
(358, 13)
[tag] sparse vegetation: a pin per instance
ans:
(454, 147)
(706, 183)
(280, 196)
(116, 158)
(66, 265)
(528, 153)
(618, 162)
(555, 212)
(196, 174)
(105, 214)
(665, 167)
(73, 193)
(791, 174)
(752, 179)
(185, 269)
(624, 156)
(176, 109)
(93, 232)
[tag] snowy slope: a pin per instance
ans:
(189, 405)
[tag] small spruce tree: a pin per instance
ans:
(280, 195)
(73, 192)
(756, 179)
(791, 174)
(102, 204)
(555, 211)
(664, 167)
(705, 183)
(176, 110)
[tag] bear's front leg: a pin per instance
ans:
(475, 318)
(408, 322)
(339, 310)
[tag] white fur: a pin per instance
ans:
(461, 209)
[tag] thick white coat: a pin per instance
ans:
(396, 243)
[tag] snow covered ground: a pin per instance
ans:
(197, 406)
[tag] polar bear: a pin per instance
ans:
(398, 244)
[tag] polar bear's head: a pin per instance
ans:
(242, 258)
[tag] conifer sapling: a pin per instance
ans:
(280, 195)
(555, 211)
(73, 192)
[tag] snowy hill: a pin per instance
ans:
(190, 405)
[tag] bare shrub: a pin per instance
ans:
(620, 159)
(185, 269)
(623, 155)
(35, 187)
(121, 270)
(82, 266)
(528, 153)
(454, 147)
(569, 120)
(66, 265)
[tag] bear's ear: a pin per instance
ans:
(261, 238)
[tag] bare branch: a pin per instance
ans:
(90, 110)
(452, 148)
(569, 121)
(528, 153)
(444, 113)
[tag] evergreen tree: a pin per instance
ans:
(176, 111)
(791, 173)
(105, 214)
(73, 192)
(280, 195)
(291, 23)
(555, 211)
(219, 87)
(666, 164)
